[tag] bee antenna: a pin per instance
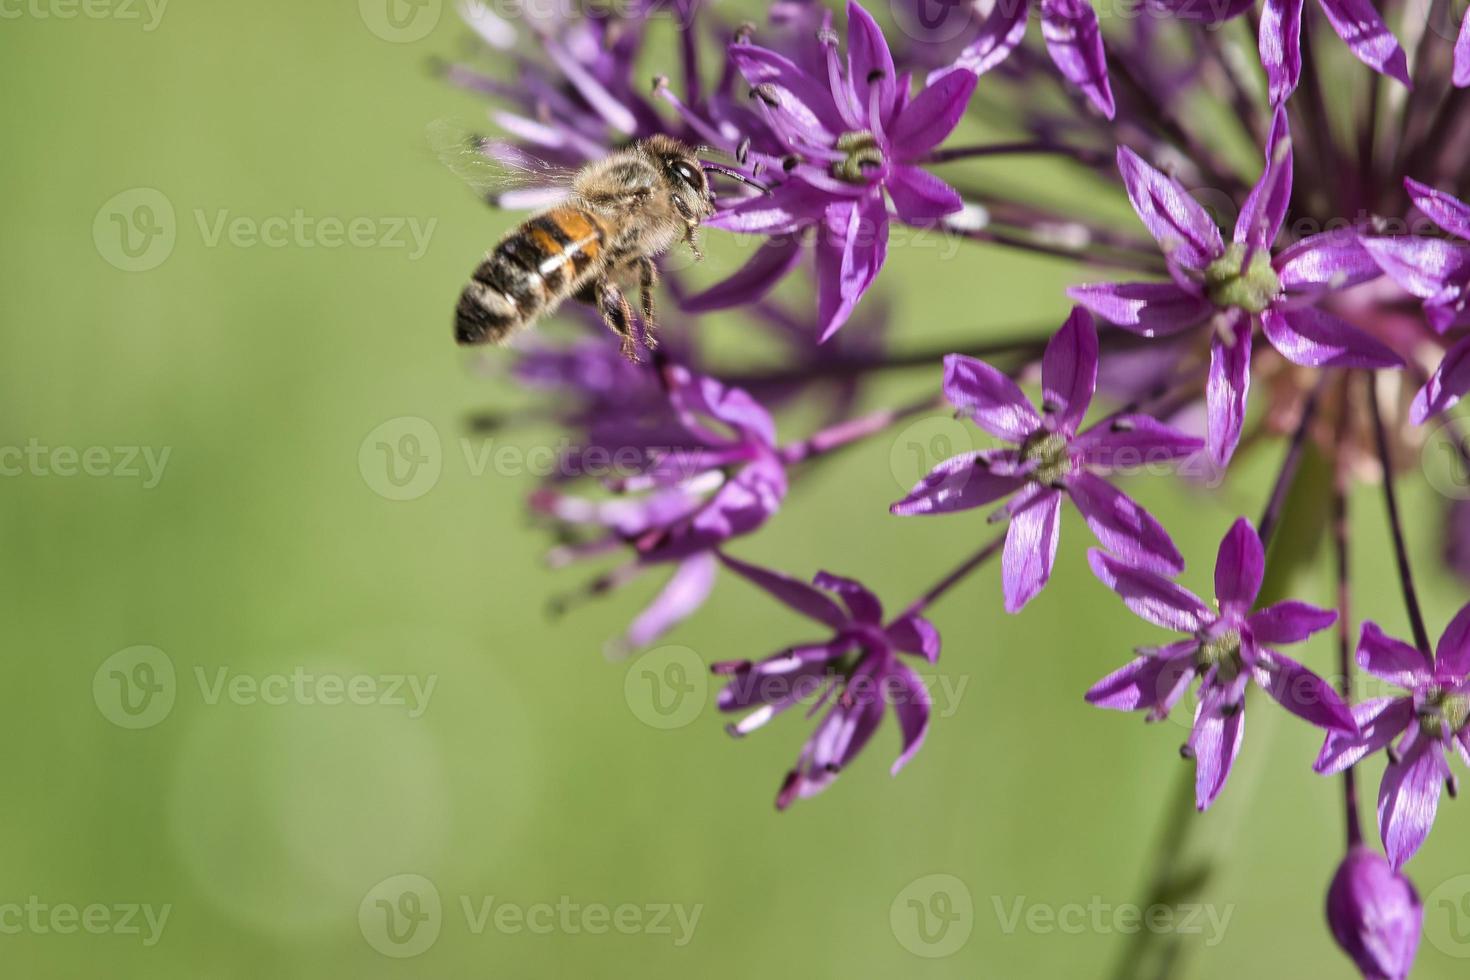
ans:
(711, 168)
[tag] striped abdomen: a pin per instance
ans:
(533, 269)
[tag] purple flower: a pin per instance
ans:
(1375, 915)
(858, 671)
(1438, 272)
(851, 134)
(1225, 649)
(1073, 39)
(1228, 288)
(1434, 719)
(1051, 460)
(712, 475)
(1356, 21)
(1462, 54)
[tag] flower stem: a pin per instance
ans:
(1340, 491)
(956, 576)
(1289, 466)
(852, 430)
(1395, 524)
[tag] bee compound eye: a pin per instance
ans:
(686, 173)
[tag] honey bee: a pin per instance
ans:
(621, 212)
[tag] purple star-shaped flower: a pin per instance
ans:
(1073, 39)
(1357, 22)
(858, 671)
(1434, 719)
(1226, 649)
(1230, 287)
(1050, 460)
(1438, 272)
(852, 134)
(708, 474)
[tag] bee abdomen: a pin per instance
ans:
(532, 269)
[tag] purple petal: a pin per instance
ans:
(697, 396)
(1002, 32)
(911, 704)
(935, 112)
(868, 58)
(863, 605)
(1311, 337)
(1240, 566)
(1031, 548)
(849, 255)
(789, 591)
(787, 209)
(920, 197)
(803, 99)
(1462, 55)
(1181, 226)
(1228, 387)
(1362, 29)
(1281, 46)
(1264, 210)
(1302, 692)
(1151, 596)
(1150, 309)
(1289, 622)
(1330, 260)
(778, 682)
(914, 634)
(1423, 266)
(685, 592)
(1069, 370)
(962, 482)
(1445, 210)
(1219, 728)
(1452, 655)
(1155, 681)
(769, 265)
(1132, 441)
(1409, 797)
(1074, 41)
(1389, 659)
(1446, 386)
(989, 397)
(1122, 526)
(1379, 722)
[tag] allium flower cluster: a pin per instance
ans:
(1296, 287)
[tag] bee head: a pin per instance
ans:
(685, 177)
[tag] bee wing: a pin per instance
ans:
(500, 172)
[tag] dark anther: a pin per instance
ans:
(789, 162)
(875, 75)
(1185, 752)
(742, 150)
(766, 92)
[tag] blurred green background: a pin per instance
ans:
(530, 773)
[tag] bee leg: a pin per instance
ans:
(692, 242)
(618, 316)
(647, 276)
